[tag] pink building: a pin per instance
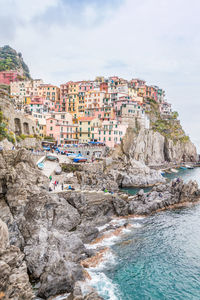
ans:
(110, 133)
(6, 77)
(86, 86)
(37, 105)
(61, 128)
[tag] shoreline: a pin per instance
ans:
(100, 257)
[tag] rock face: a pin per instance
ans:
(114, 173)
(29, 143)
(18, 122)
(163, 196)
(14, 281)
(152, 148)
(48, 231)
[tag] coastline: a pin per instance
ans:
(103, 255)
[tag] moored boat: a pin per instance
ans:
(58, 170)
(168, 171)
(174, 170)
(189, 167)
(183, 168)
(162, 172)
(72, 155)
(40, 166)
(79, 159)
(52, 157)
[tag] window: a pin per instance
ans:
(51, 128)
(109, 139)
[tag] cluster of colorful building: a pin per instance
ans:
(100, 110)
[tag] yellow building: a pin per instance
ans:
(27, 100)
(72, 99)
(135, 94)
(86, 128)
(100, 79)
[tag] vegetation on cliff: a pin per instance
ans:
(168, 126)
(4, 132)
(11, 60)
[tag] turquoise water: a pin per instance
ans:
(157, 259)
(189, 174)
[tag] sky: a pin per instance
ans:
(155, 40)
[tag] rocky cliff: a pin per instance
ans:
(11, 60)
(48, 232)
(152, 148)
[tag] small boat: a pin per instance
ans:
(168, 171)
(52, 157)
(79, 159)
(183, 168)
(58, 170)
(174, 170)
(162, 172)
(189, 167)
(40, 166)
(71, 155)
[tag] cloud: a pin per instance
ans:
(156, 40)
(77, 13)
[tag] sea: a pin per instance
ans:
(158, 258)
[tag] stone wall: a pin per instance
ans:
(18, 122)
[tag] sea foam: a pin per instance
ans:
(104, 286)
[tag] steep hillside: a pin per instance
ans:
(167, 126)
(165, 141)
(11, 60)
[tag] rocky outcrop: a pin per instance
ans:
(14, 280)
(152, 148)
(112, 174)
(164, 196)
(30, 143)
(48, 231)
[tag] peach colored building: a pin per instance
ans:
(60, 126)
(49, 92)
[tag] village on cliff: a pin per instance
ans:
(98, 111)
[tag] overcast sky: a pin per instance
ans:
(155, 40)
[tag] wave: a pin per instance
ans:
(60, 297)
(98, 279)
(104, 286)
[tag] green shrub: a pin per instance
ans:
(23, 136)
(18, 139)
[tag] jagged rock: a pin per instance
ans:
(152, 148)
(51, 229)
(14, 280)
(121, 206)
(59, 278)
